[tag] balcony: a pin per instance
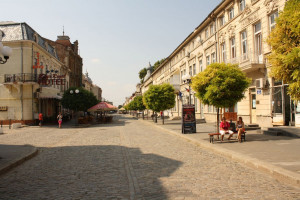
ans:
(248, 62)
(21, 78)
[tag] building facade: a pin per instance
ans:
(33, 80)
(234, 32)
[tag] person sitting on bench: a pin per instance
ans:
(224, 128)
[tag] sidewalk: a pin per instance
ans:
(278, 156)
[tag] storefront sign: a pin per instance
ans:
(188, 119)
(52, 79)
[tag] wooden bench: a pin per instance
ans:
(211, 136)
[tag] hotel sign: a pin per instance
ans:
(52, 79)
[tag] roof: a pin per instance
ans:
(21, 31)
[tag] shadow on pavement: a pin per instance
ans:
(89, 172)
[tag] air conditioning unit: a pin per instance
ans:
(260, 83)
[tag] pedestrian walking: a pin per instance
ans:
(40, 119)
(59, 118)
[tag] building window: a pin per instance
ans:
(244, 45)
(272, 18)
(207, 60)
(231, 13)
(242, 5)
(206, 33)
(223, 52)
(232, 47)
(194, 69)
(213, 57)
(258, 39)
(222, 20)
(190, 71)
(201, 65)
(211, 29)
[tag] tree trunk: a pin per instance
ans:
(143, 115)
(155, 117)
(137, 114)
(218, 121)
(163, 117)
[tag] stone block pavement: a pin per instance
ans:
(278, 156)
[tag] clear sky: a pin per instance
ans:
(116, 38)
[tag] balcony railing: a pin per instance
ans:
(22, 77)
(250, 58)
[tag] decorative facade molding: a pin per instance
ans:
(271, 5)
(231, 30)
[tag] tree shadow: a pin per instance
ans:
(89, 172)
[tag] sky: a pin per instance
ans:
(117, 38)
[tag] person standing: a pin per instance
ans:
(59, 118)
(40, 119)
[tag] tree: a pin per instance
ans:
(159, 98)
(285, 42)
(80, 101)
(158, 63)
(221, 85)
(142, 74)
(139, 104)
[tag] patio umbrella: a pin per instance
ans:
(122, 109)
(102, 106)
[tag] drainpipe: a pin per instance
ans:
(21, 86)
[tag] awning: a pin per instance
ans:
(102, 106)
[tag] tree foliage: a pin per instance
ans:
(159, 97)
(78, 101)
(158, 63)
(221, 85)
(285, 43)
(142, 74)
(136, 104)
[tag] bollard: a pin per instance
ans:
(9, 123)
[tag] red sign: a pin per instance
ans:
(52, 79)
(38, 66)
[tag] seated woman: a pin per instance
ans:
(224, 128)
(240, 127)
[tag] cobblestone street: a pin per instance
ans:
(128, 159)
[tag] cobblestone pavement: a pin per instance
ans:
(128, 160)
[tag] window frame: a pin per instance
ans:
(242, 5)
(232, 48)
(231, 13)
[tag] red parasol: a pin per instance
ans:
(102, 106)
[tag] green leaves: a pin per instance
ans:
(159, 97)
(221, 85)
(80, 101)
(136, 104)
(285, 43)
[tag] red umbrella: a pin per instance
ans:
(102, 106)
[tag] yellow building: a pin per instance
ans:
(33, 79)
(234, 32)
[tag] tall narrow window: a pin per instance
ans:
(242, 5)
(207, 60)
(223, 51)
(190, 71)
(232, 47)
(244, 45)
(206, 33)
(201, 65)
(212, 29)
(272, 20)
(194, 69)
(222, 20)
(258, 42)
(231, 13)
(213, 57)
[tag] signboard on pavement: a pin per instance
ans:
(188, 119)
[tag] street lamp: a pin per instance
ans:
(187, 80)
(4, 50)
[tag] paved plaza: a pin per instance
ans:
(128, 159)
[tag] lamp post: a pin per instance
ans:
(187, 79)
(4, 50)
(76, 92)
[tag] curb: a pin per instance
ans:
(18, 161)
(278, 173)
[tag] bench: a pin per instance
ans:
(211, 136)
